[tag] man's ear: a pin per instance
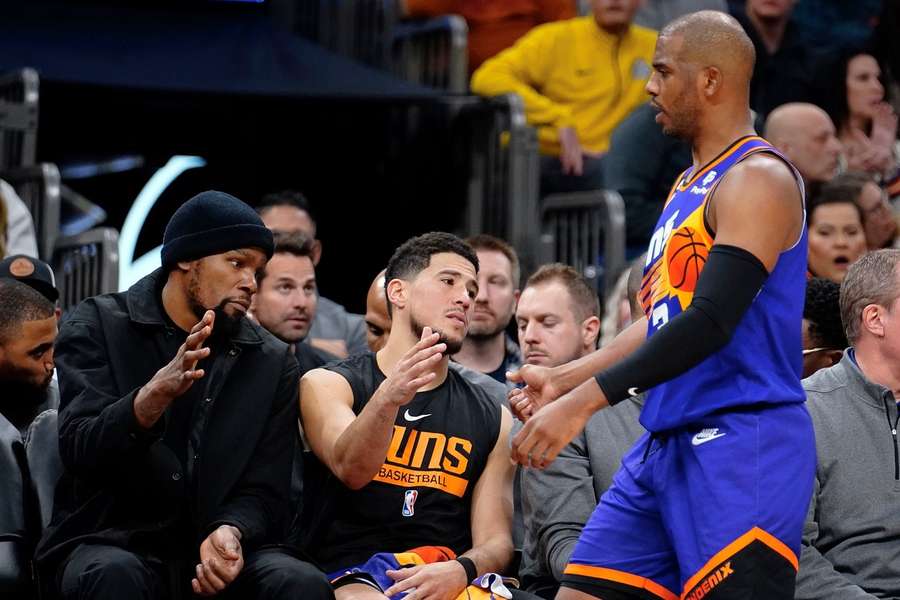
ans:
(590, 331)
(834, 356)
(184, 265)
(316, 252)
(711, 81)
(872, 320)
(397, 293)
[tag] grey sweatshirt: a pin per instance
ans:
(557, 501)
(851, 541)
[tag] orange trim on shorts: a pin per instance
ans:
(635, 581)
(755, 534)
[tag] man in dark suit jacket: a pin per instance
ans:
(176, 428)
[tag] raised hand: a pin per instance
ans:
(538, 391)
(415, 370)
(176, 377)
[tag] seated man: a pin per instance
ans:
(579, 79)
(487, 349)
(333, 330)
(27, 333)
(378, 321)
(558, 323)
(850, 545)
(805, 134)
(176, 427)
(421, 494)
(285, 301)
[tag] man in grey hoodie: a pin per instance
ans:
(851, 541)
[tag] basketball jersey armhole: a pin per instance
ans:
(773, 153)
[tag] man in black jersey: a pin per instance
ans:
(419, 455)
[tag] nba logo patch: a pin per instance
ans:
(409, 502)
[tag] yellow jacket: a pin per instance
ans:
(573, 73)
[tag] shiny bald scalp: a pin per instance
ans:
(711, 38)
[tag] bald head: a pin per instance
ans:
(805, 134)
(710, 38)
(378, 322)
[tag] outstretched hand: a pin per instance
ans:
(538, 391)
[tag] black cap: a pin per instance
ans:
(210, 223)
(32, 272)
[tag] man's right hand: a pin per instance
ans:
(414, 371)
(571, 155)
(538, 391)
(175, 378)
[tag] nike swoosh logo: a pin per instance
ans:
(412, 418)
(633, 391)
(697, 440)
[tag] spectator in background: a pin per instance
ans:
(655, 14)
(558, 322)
(850, 547)
(879, 223)
(487, 349)
(836, 235)
(866, 123)
(805, 134)
(823, 334)
(579, 79)
(27, 334)
(19, 229)
(618, 311)
(285, 299)
(176, 427)
(785, 60)
(420, 456)
(494, 25)
(333, 330)
(378, 321)
(641, 165)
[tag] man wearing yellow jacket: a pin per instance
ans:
(579, 78)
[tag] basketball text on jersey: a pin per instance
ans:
(426, 459)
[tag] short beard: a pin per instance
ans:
(21, 398)
(452, 347)
(225, 326)
(485, 335)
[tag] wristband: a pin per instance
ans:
(469, 566)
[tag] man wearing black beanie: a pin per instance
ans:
(176, 427)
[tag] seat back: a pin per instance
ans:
(39, 188)
(86, 265)
(18, 118)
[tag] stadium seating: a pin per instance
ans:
(18, 118)
(85, 265)
(39, 188)
(578, 228)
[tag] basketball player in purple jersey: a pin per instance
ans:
(711, 502)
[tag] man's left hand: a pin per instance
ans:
(548, 431)
(436, 581)
(221, 560)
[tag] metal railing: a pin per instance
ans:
(18, 118)
(433, 53)
(39, 188)
(86, 265)
(587, 231)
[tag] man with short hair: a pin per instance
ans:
(558, 321)
(710, 503)
(27, 334)
(578, 79)
(823, 334)
(334, 330)
(285, 301)
(487, 349)
(176, 427)
(805, 134)
(422, 490)
(850, 545)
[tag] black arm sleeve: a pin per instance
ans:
(731, 279)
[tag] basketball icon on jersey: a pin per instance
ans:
(685, 256)
(409, 502)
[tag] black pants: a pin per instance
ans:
(553, 181)
(100, 572)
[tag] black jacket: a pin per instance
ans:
(122, 482)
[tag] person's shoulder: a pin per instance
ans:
(495, 390)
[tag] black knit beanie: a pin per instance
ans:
(211, 223)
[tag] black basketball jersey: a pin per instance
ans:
(422, 494)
